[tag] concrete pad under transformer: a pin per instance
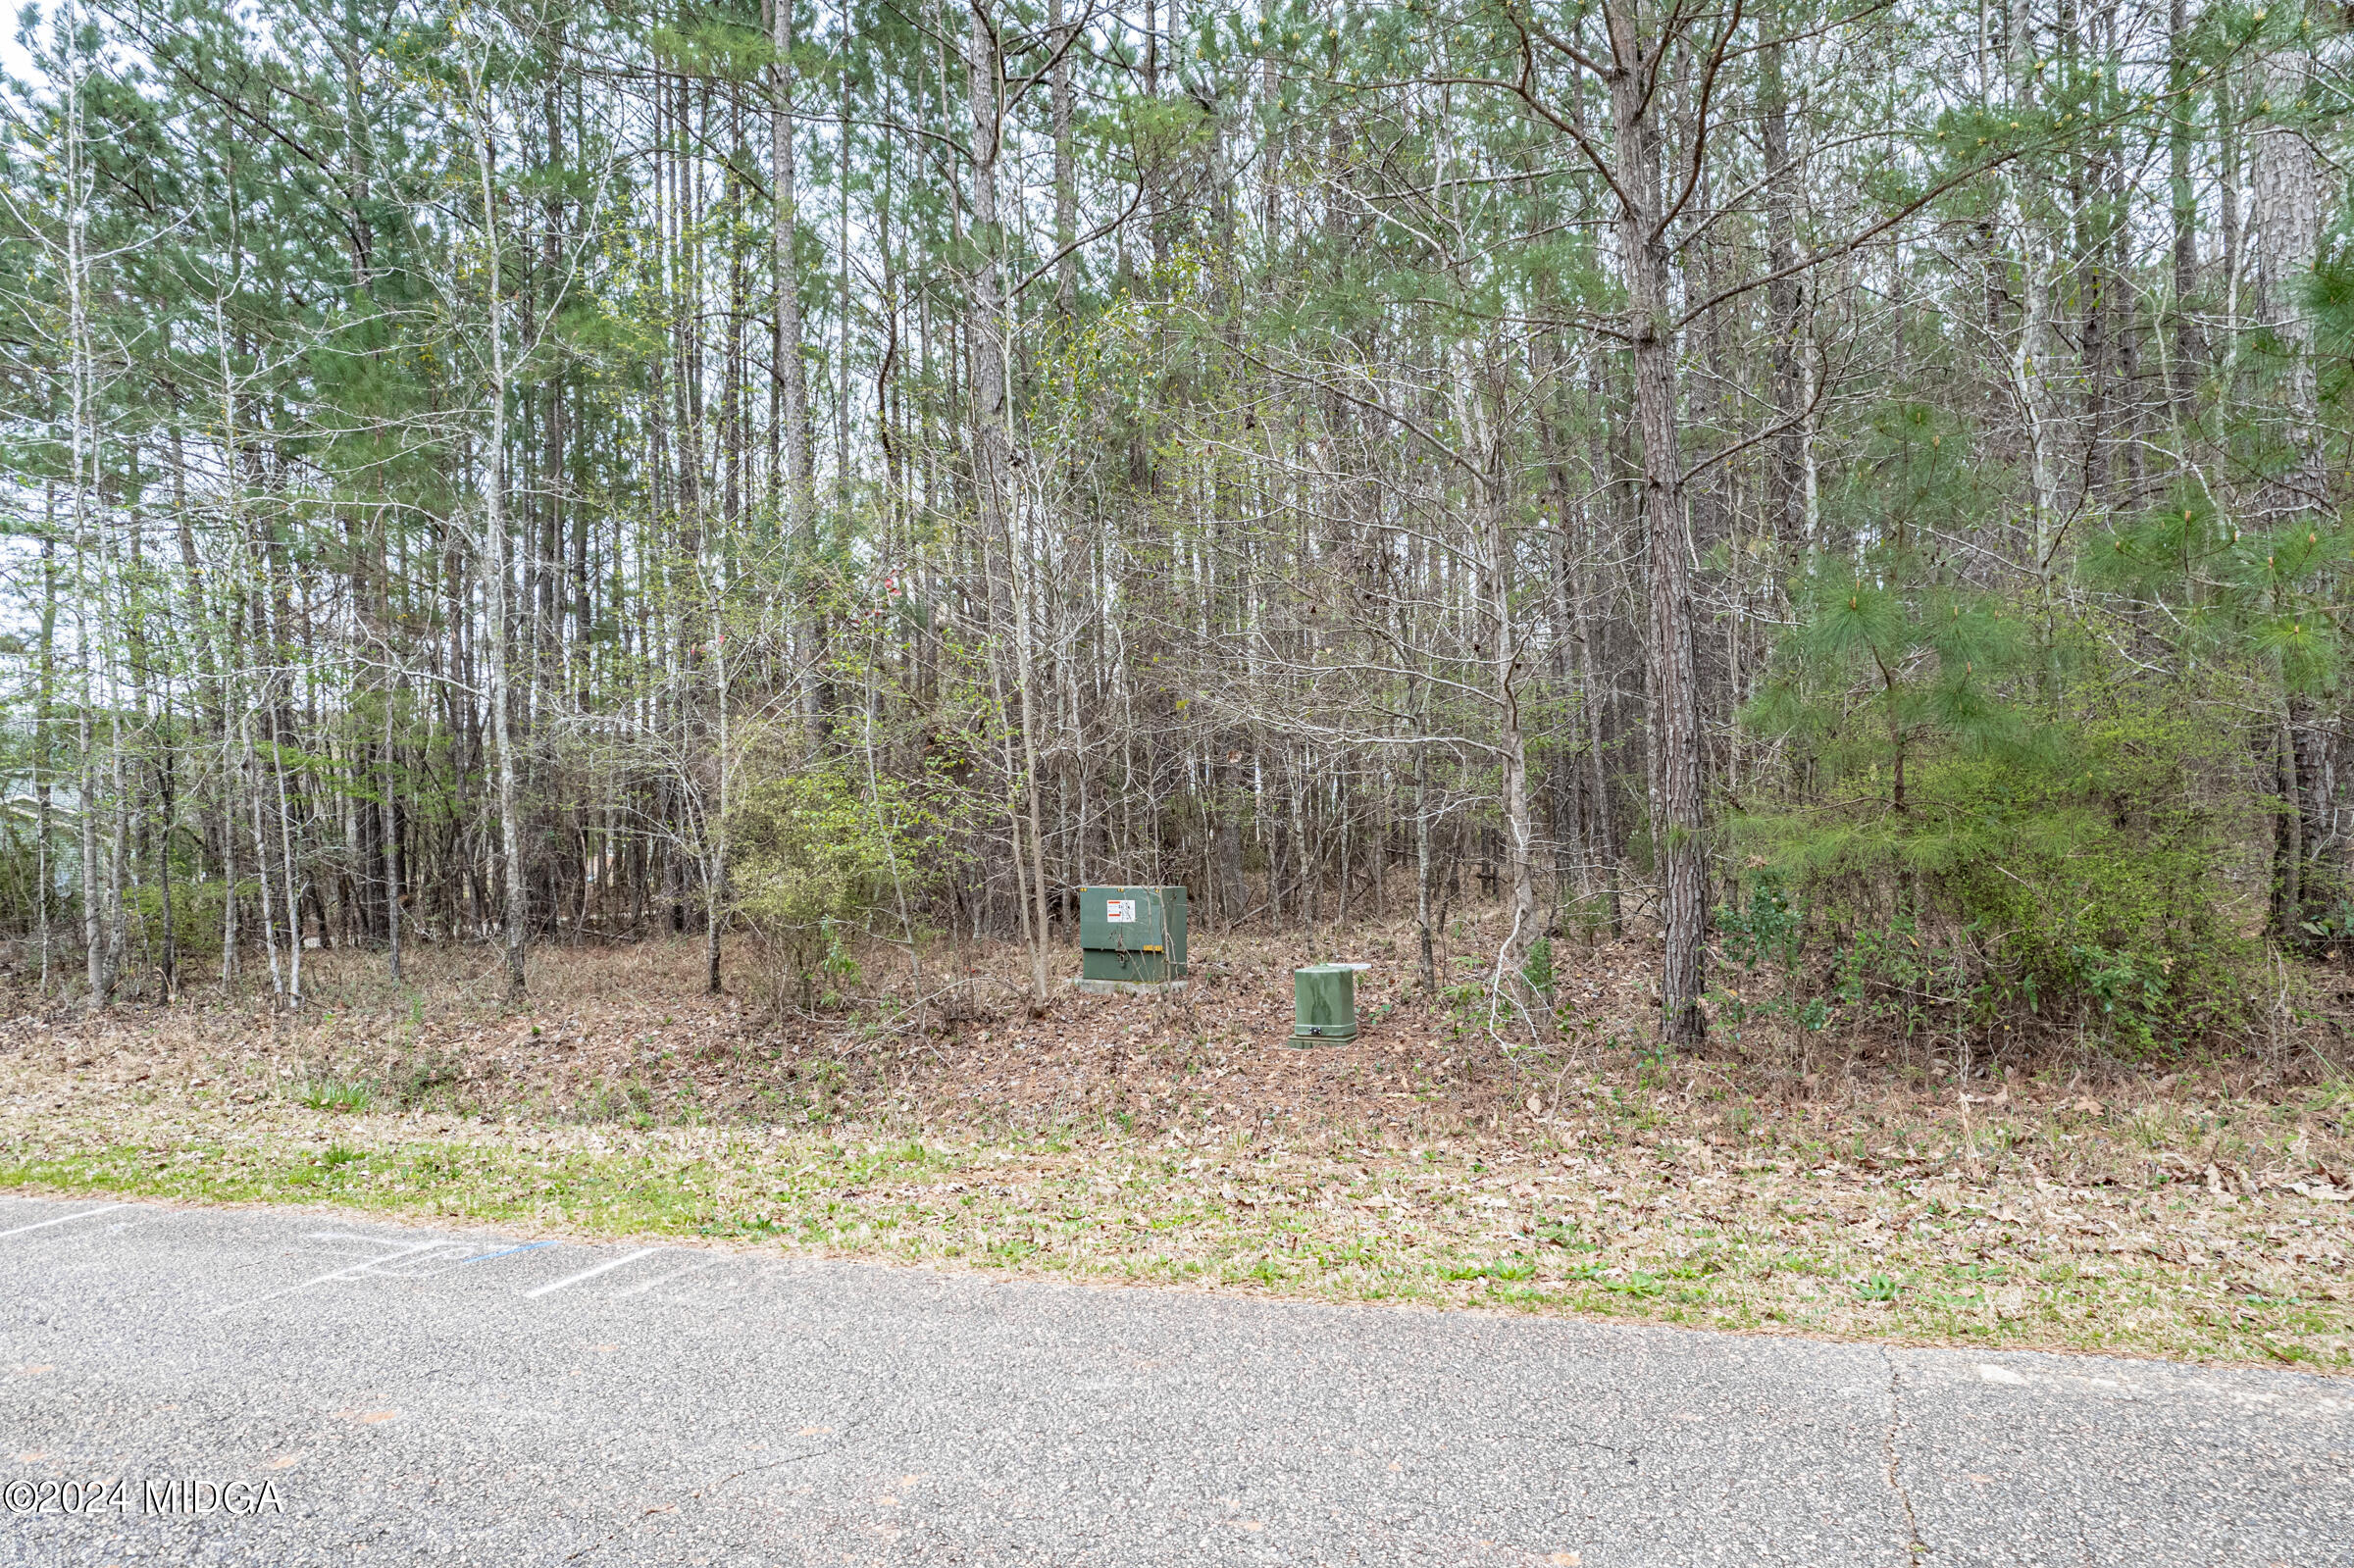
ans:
(1127, 987)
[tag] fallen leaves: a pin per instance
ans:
(2326, 1185)
(1394, 1167)
(2007, 1258)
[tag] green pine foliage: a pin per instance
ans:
(2092, 869)
(1996, 825)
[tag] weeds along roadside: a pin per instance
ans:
(2091, 1202)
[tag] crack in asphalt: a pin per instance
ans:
(710, 1490)
(1915, 1546)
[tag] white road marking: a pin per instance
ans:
(432, 1268)
(424, 1267)
(505, 1251)
(42, 1225)
(691, 1268)
(120, 1226)
(591, 1274)
(346, 1235)
(348, 1271)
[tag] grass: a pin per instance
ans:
(1126, 1142)
(336, 1094)
(1769, 1247)
(1879, 1287)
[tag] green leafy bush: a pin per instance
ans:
(196, 917)
(2081, 878)
(823, 850)
(1994, 823)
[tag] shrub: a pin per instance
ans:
(2087, 871)
(1995, 817)
(196, 915)
(820, 851)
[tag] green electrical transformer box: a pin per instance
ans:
(1131, 939)
(1326, 998)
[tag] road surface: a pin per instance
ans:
(283, 1388)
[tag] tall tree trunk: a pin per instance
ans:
(43, 733)
(1676, 824)
(2286, 227)
(1066, 268)
(91, 608)
(168, 961)
(395, 873)
(2181, 108)
(992, 440)
(260, 861)
(791, 376)
(1492, 493)
(2285, 221)
(498, 630)
(1424, 935)
(1785, 480)
(715, 873)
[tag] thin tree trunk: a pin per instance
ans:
(395, 878)
(2181, 107)
(985, 77)
(42, 737)
(498, 626)
(1066, 206)
(1424, 940)
(1785, 470)
(792, 402)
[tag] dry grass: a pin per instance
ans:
(2079, 1205)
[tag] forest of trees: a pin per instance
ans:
(1840, 489)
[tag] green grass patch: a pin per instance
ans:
(348, 1094)
(1124, 1211)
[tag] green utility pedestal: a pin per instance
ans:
(1326, 1002)
(1131, 940)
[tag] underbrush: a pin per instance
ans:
(2090, 885)
(1945, 998)
(1850, 1177)
(2038, 1224)
(1898, 1012)
(1984, 837)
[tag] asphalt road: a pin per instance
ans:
(363, 1393)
